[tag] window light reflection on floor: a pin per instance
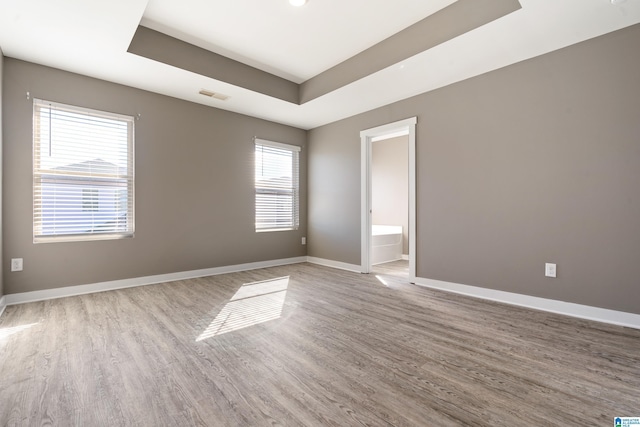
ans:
(252, 304)
(7, 332)
(381, 280)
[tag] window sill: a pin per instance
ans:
(80, 238)
(267, 230)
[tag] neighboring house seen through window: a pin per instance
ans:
(277, 186)
(90, 199)
(82, 173)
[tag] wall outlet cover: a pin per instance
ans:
(16, 264)
(550, 270)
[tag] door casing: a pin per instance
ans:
(367, 136)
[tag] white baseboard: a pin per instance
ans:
(569, 309)
(597, 314)
(405, 257)
(335, 264)
(69, 291)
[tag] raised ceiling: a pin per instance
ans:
(321, 45)
(295, 43)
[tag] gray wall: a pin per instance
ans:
(537, 162)
(194, 186)
(1, 145)
(390, 185)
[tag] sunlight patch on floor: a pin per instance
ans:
(7, 332)
(381, 280)
(252, 304)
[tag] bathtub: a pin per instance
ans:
(386, 243)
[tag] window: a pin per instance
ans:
(82, 174)
(277, 189)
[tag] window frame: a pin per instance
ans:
(294, 190)
(41, 176)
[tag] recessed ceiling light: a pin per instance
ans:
(298, 2)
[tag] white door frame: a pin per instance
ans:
(366, 138)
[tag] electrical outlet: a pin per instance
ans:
(16, 264)
(304, 240)
(550, 270)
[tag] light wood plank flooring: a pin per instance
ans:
(393, 268)
(333, 348)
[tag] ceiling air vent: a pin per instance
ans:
(215, 95)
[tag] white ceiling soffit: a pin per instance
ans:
(92, 38)
(446, 24)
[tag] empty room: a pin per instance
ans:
(320, 212)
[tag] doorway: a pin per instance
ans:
(368, 137)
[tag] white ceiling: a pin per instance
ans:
(295, 43)
(92, 37)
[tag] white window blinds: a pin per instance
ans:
(277, 186)
(83, 178)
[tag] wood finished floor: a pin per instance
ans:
(342, 349)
